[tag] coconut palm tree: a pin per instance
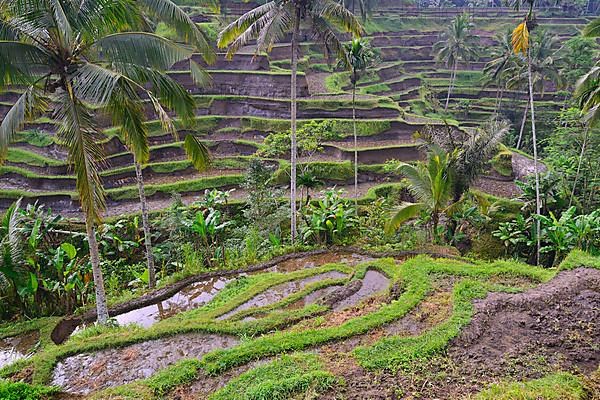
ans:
(587, 92)
(431, 184)
(268, 23)
(544, 68)
(75, 59)
(358, 57)
(522, 45)
(456, 44)
(497, 70)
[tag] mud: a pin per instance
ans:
(86, 373)
(280, 292)
(558, 321)
(372, 283)
(17, 347)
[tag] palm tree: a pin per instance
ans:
(587, 92)
(358, 56)
(431, 185)
(456, 44)
(503, 60)
(522, 44)
(76, 57)
(543, 67)
(267, 24)
(470, 151)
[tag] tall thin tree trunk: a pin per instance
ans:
(147, 234)
(499, 107)
(293, 149)
(101, 305)
(523, 125)
(583, 147)
(452, 77)
(535, 159)
(355, 145)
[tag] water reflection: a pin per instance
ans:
(17, 347)
(192, 296)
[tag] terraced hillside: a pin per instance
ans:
(343, 324)
(249, 100)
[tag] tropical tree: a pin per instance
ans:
(457, 44)
(587, 92)
(430, 183)
(268, 23)
(74, 59)
(358, 57)
(470, 152)
(544, 69)
(497, 70)
(522, 45)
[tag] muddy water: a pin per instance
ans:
(190, 297)
(17, 347)
(85, 373)
(280, 292)
(318, 260)
(312, 297)
(373, 282)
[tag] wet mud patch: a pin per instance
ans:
(557, 322)
(280, 292)
(373, 282)
(17, 347)
(190, 297)
(85, 373)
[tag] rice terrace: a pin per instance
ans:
(299, 199)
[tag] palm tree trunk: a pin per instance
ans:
(523, 125)
(146, 226)
(499, 106)
(583, 147)
(452, 77)
(101, 305)
(535, 158)
(355, 146)
(293, 150)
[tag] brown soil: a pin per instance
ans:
(516, 337)
(84, 373)
(557, 321)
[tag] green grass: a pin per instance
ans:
(559, 386)
(17, 155)
(184, 186)
(23, 391)
(282, 379)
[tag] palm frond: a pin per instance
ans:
(141, 48)
(338, 15)
(21, 63)
(592, 29)
(78, 132)
(200, 75)
(197, 152)
(170, 13)
(235, 29)
(402, 214)
(29, 104)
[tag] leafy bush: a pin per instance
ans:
(329, 220)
